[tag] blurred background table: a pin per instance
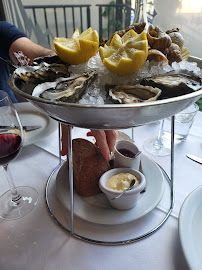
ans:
(37, 242)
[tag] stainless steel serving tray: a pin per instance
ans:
(110, 116)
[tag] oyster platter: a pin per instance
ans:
(134, 78)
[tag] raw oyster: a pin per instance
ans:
(132, 93)
(175, 84)
(65, 89)
(49, 59)
(42, 71)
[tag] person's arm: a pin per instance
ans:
(29, 48)
(105, 140)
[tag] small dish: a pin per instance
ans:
(122, 158)
(129, 199)
(97, 209)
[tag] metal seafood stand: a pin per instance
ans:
(107, 116)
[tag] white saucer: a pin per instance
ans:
(97, 209)
(122, 136)
(30, 115)
(190, 226)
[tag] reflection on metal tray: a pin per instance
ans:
(109, 116)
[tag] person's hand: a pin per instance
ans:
(105, 140)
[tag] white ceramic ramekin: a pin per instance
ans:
(129, 198)
(121, 161)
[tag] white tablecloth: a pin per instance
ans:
(37, 242)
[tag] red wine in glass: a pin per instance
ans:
(18, 201)
(10, 145)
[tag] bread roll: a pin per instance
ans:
(88, 166)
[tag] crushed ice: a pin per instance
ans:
(96, 93)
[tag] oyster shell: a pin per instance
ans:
(65, 89)
(49, 59)
(43, 71)
(132, 93)
(175, 84)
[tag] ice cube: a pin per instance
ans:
(176, 66)
(167, 68)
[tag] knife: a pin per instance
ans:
(26, 128)
(194, 158)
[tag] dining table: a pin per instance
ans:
(37, 242)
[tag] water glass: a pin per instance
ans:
(183, 123)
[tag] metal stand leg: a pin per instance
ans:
(172, 158)
(170, 181)
(71, 183)
(59, 142)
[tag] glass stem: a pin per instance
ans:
(158, 143)
(15, 195)
(59, 140)
(133, 134)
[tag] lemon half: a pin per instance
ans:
(126, 54)
(79, 48)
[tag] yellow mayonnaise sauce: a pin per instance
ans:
(121, 181)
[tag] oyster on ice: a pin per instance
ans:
(175, 84)
(49, 59)
(43, 69)
(127, 94)
(65, 89)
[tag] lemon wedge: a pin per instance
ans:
(126, 54)
(79, 48)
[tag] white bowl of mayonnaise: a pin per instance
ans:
(113, 182)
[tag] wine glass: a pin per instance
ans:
(17, 202)
(156, 145)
